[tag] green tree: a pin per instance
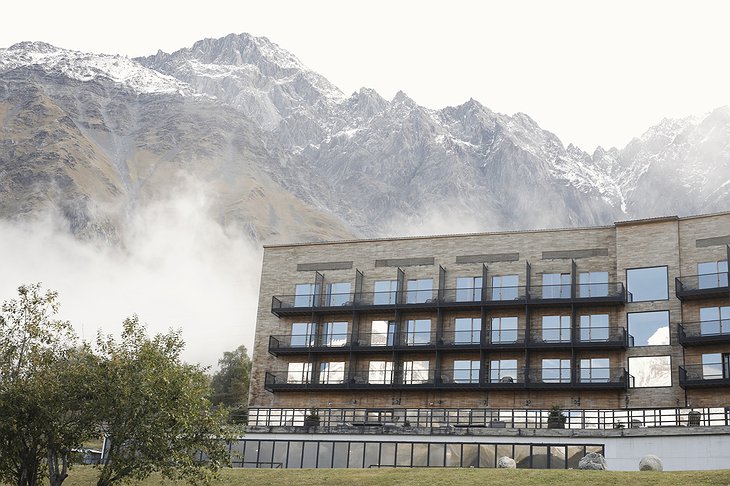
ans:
(41, 389)
(230, 383)
(154, 410)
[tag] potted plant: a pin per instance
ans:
(312, 418)
(556, 418)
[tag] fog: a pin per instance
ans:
(177, 268)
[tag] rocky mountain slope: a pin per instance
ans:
(287, 156)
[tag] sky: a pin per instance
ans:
(593, 72)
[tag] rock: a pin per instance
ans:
(506, 462)
(650, 462)
(594, 461)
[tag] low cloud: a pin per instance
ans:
(177, 268)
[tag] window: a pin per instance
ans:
(382, 333)
(467, 330)
(647, 284)
(419, 291)
(595, 370)
(504, 330)
(503, 371)
(594, 327)
(712, 274)
(418, 332)
(555, 285)
(504, 287)
(415, 372)
(302, 334)
(714, 320)
(335, 334)
(468, 289)
(466, 371)
(593, 284)
(385, 292)
(380, 372)
(714, 367)
(556, 371)
(305, 295)
(556, 328)
(299, 373)
(338, 294)
(332, 373)
(649, 328)
(651, 371)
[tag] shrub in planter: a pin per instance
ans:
(556, 418)
(312, 418)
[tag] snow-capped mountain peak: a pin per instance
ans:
(83, 66)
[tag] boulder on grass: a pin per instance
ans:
(506, 462)
(593, 461)
(650, 462)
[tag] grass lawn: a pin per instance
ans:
(85, 476)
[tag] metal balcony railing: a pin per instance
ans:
(582, 378)
(704, 332)
(587, 337)
(704, 375)
(704, 286)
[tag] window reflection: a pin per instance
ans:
(649, 328)
(647, 283)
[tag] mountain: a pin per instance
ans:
(285, 155)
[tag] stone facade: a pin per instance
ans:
(678, 244)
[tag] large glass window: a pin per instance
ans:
(468, 289)
(504, 330)
(714, 320)
(556, 371)
(503, 370)
(651, 371)
(382, 333)
(305, 295)
(556, 328)
(466, 371)
(713, 367)
(594, 327)
(504, 287)
(712, 274)
(335, 333)
(299, 373)
(332, 373)
(555, 285)
(467, 330)
(302, 334)
(415, 372)
(647, 283)
(593, 284)
(338, 294)
(418, 332)
(385, 292)
(595, 370)
(419, 291)
(649, 328)
(380, 372)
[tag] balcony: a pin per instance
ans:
(586, 338)
(703, 376)
(704, 332)
(292, 305)
(707, 286)
(610, 293)
(290, 344)
(449, 378)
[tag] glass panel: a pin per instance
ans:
(467, 330)
(356, 454)
(310, 455)
(387, 454)
(385, 292)
(650, 371)
(557, 457)
(280, 454)
(325, 455)
(575, 454)
(415, 372)
(419, 291)
(649, 328)
(556, 285)
(593, 284)
(453, 455)
(340, 458)
(505, 287)
(539, 457)
(487, 456)
(304, 295)
(382, 333)
(299, 373)
(338, 294)
(436, 455)
(420, 455)
(712, 274)
(594, 370)
(418, 332)
(372, 454)
(504, 329)
(380, 372)
(302, 334)
(647, 284)
(712, 366)
(522, 456)
(503, 371)
(266, 451)
(335, 334)
(295, 455)
(250, 453)
(332, 373)
(594, 328)
(556, 328)
(403, 457)
(468, 289)
(556, 370)
(466, 371)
